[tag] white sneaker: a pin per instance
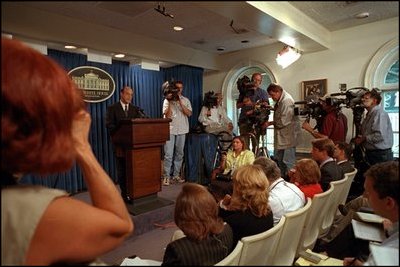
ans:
(166, 181)
(178, 179)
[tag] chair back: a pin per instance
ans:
(332, 204)
(313, 221)
(259, 249)
(346, 189)
(287, 246)
(233, 258)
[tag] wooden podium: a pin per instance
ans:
(141, 141)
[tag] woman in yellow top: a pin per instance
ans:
(237, 156)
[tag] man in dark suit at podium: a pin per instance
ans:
(122, 110)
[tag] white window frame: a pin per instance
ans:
(229, 88)
(375, 76)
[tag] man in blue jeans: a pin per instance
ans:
(177, 108)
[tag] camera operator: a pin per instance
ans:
(376, 130)
(213, 115)
(246, 103)
(334, 123)
(178, 109)
(286, 128)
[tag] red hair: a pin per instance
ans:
(39, 102)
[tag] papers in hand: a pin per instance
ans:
(368, 231)
(325, 260)
(370, 217)
(139, 262)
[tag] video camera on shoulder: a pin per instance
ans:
(170, 91)
(245, 87)
(311, 108)
(352, 100)
(210, 100)
(352, 97)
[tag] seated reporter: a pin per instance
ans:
(247, 210)
(322, 152)
(306, 175)
(45, 129)
(284, 196)
(206, 239)
(237, 156)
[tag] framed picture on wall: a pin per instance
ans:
(314, 88)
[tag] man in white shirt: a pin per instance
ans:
(284, 196)
(177, 108)
(214, 117)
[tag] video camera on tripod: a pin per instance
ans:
(261, 109)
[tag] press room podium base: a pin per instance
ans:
(140, 141)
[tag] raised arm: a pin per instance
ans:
(74, 231)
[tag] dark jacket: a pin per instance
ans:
(207, 252)
(115, 113)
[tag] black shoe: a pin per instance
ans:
(342, 209)
(127, 199)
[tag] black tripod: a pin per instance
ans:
(263, 150)
(360, 160)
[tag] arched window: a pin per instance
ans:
(231, 94)
(383, 73)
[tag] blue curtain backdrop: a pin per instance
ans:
(147, 95)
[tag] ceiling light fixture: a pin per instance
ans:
(162, 11)
(70, 47)
(119, 55)
(287, 56)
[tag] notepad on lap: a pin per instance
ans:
(370, 217)
(368, 231)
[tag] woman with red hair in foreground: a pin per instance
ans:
(44, 130)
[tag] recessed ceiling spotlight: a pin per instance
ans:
(70, 47)
(119, 55)
(178, 28)
(362, 15)
(245, 41)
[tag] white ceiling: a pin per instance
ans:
(207, 25)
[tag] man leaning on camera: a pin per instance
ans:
(246, 105)
(178, 109)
